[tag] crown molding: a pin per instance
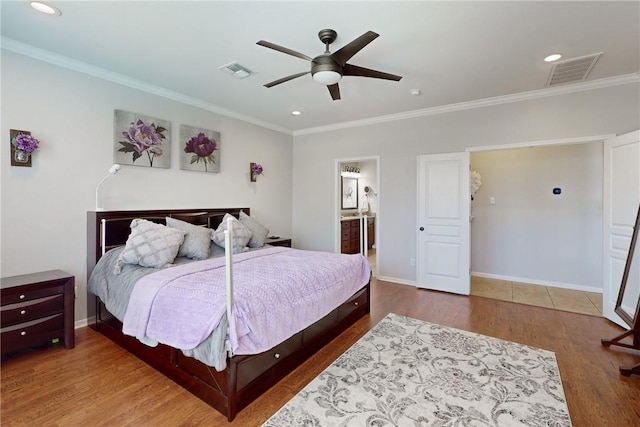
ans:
(480, 103)
(82, 67)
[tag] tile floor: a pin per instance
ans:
(371, 256)
(541, 296)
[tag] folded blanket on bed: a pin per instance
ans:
(277, 293)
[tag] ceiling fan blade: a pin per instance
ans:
(286, 79)
(283, 50)
(334, 90)
(353, 70)
(345, 53)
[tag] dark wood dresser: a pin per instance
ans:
(279, 241)
(36, 309)
(350, 235)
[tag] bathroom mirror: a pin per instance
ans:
(349, 193)
(628, 303)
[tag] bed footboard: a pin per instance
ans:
(246, 377)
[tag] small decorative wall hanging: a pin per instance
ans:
(200, 149)
(255, 169)
(141, 140)
(475, 181)
(22, 147)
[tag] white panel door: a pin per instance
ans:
(443, 222)
(621, 198)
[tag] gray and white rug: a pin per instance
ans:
(407, 372)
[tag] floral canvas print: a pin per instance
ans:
(142, 140)
(200, 149)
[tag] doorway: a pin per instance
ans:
(536, 229)
(356, 195)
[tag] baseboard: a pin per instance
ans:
(538, 282)
(84, 322)
(396, 280)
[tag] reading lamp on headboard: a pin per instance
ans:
(112, 171)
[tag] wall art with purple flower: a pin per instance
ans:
(199, 149)
(141, 140)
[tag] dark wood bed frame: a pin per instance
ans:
(246, 377)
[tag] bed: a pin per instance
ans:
(245, 376)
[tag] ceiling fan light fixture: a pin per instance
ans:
(327, 77)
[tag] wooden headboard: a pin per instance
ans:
(117, 224)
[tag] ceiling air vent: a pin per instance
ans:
(572, 70)
(236, 70)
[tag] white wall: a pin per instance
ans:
(613, 110)
(530, 234)
(44, 207)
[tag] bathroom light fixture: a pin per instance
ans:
(112, 171)
(45, 8)
(350, 172)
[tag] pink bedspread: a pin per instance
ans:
(277, 293)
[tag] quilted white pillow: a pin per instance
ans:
(259, 232)
(241, 234)
(150, 245)
(197, 240)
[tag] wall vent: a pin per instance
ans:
(572, 70)
(236, 70)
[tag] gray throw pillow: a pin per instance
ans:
(150, 245)
(259, 232)
(241, 234)
(197, 240)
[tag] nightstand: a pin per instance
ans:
(36, 309)
(279, 241)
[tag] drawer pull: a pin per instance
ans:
(23, 333)
(22, 296)
(23, 312)
(357, 303)
(277, 355)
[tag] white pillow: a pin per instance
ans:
(241, 234)
(150, 245)
(197, 241)
(259, 232)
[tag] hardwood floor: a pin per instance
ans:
(98, 383)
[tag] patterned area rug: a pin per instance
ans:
(407, 372)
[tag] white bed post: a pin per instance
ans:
(364, 235)
(228, 253)
(103, 235)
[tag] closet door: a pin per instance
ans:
(621, 199)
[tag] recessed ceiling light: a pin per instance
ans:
(45, 8)
(553, 57)
(415, 92)
(295, 113)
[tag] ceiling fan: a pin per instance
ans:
(328, 68)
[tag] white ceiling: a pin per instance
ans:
(454, 52)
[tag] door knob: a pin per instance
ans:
(421, 228)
